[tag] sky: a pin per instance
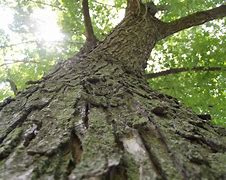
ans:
(45, 19)
(47, 31)
(46, 22)
(47, 27)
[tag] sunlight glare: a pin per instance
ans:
(2, 85)
(6, 15)
(120, 13)
(47, 28)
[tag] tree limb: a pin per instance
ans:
(17, 44)
(180, 70)
(90, 36)
(195, 19)
(133, 6)
(37, 42)
(13, 86)
(18, 61)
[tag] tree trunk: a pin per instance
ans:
(95, 117)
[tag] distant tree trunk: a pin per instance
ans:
(95, 117)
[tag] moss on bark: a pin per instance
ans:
(95, 117)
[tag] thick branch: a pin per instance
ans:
(193, 20)
(133, 6)
(179, 70)
(90, 36)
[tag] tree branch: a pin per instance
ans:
(193, 20)
(17, 44)
(104, 4)
(13, 86)
(36, 41)
(90, 36)
(18, 61)
(46, 4)
(133, 6)
(180, 70)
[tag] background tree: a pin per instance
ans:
(54, 127)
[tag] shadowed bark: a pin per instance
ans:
(95, 117)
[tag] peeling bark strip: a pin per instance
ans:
(95, 117)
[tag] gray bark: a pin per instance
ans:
(95, 117)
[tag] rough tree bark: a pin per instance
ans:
(95, 117)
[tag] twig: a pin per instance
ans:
(18, 61)
(35, 41)
(46, 4)
(112, 6)
(17, 44)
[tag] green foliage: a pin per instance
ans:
(180, 8)
(204, 91)
(26, 54)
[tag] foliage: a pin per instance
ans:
(27, 55)
(203, 91)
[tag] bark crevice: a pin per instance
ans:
(95, 116)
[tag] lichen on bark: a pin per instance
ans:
(95, 117)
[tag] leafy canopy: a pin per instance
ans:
(36, 34)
